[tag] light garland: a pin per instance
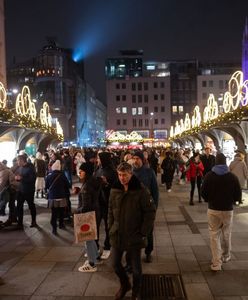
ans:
(235, 105)
(116, 136)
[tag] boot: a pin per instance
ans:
(191, 201)
(200, 200)
(124, 288)
(37, 194)
(42, 194)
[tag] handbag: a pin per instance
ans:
(85, 227)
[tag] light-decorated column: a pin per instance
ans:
(2, 46)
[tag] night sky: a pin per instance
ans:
(164, 29)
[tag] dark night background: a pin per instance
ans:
(164, 29)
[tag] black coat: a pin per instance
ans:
(221, 191)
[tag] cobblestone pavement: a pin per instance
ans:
(36, 265)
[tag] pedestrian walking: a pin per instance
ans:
(168, 166)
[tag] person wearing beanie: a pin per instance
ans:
(221, 189)
(147, 176)
(88, 200)
(40, 170)
(58, 188)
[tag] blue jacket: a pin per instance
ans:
(57, 189)
(148, 178)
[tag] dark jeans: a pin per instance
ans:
(135, 260)
(21, 198)
(12, 206)
(103, 215)
(149, 247)
(57, 213)
(198, 181)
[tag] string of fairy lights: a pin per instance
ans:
(25, 114)
(235, 107)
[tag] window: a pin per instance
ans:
(162, 96)
(155, 84)
(133, 86)
(146, 110)
(123, 86)
(162, 109)
(124, 97)
(118, 98)
(145, 86)
(139, 98)
(174, 110)
(140, 110)
(161, 84)
(134, 122)
(211, 83)
(140, 122)
(118, 122)
(133, 98)
(124, 110)
(117, 86)
(124, 122)
(155, 97)
(180, 110)
(162, 121)
(146, 122)
(204, 83)
(155, 109)
(134, 111)
(156, 121)
(139, 86)
(146, 98)
(118, 110)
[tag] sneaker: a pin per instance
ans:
(87, 268)
(215, 267)
(148, 258)
(98, 261)
(169, 191)
(85, 255)
(33, 224)
(225, 259)
(105, 254)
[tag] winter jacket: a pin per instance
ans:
(147, 176)
(58, 189)
(221, 189)
(40, 167)
(208, 163)
(131, 215)
(28, 178)
(238, 167)
(194, 170)
(169, 166)
(88, 197)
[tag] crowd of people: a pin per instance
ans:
(122, 188)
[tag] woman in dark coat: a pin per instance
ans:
(168, 166)
(58, 188)
(88, 201)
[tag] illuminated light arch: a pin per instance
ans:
(3, 96)
(244, 100)
(177, 128)
(187, 122)
(171, 131)
(59, 128)
(45, 116)
(24, 104)
(235, 89)
(196, 119)
(211, 111)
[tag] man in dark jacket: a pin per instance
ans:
(208, 160)
(130, 218)
(147, 176)
(221, 189)
(26, 190)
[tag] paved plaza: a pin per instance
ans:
(35, 265)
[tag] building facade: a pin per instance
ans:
(2, 46)
(245, 51)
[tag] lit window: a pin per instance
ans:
(124, 110)
(134, 111)
(118, 110)
(174, 110)
(140, 110)
(180, 109)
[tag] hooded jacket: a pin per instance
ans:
(131, 215)
(238, 167)
(221, 189)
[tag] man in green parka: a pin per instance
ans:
(130, 218)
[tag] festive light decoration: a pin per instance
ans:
(116, 136)
(25, 114)
(235, 105)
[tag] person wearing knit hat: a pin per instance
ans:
(58, 188)
(147, 176)
(221, 189)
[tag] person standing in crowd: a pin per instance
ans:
(26, 191)
(147, 176)
(238, 167)
(208, 160)
(168, 166)
(58, 188)
(194, 175)
(153, 161)
(221, 189)
(40, 170)
(130, 218)
(88, 200)
(107, 175)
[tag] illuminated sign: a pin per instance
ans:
(116, 136)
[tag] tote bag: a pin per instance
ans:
(85, 227)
